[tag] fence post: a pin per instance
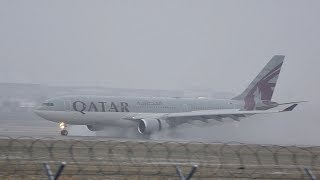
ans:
(179, 172)
(49, 171)
(308, 171)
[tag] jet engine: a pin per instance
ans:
(95, 127)
(148, 126)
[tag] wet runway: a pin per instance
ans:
(27, 127)
(26, 143)
(105, 158)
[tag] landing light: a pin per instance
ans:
(62, 125)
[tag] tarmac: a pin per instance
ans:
(26, 144)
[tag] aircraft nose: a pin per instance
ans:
(38, 108)
(39, 111)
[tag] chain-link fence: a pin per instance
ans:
(23, 158)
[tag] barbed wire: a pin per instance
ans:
(23, 158)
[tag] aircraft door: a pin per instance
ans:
(185, 108)
(67, 105)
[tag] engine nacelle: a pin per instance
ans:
(95, 127)
(148, 126)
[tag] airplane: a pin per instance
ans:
(153, 114)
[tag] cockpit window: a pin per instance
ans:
(48, 104)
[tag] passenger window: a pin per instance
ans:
(48, 104)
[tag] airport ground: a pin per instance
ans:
(27, 143)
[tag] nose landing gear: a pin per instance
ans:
(63, 127)
(64, 132)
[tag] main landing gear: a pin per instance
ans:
(63, 128)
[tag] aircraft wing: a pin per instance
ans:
(235, 114)
(223, 113)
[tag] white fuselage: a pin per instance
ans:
(112, 111)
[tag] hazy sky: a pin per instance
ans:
(165, 44)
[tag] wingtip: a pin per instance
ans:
(290, 108)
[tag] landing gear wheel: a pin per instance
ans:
(64, 132)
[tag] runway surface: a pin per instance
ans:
(26, 144)
(102, 158)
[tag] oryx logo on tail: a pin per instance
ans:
(261, 88)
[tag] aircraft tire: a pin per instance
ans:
(64, 132)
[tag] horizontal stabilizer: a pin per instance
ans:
(295, 102)
(290, 108)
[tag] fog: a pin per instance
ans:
(175, 45)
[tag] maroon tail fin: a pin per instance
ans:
(262, 87)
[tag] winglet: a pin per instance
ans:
(290, 108)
